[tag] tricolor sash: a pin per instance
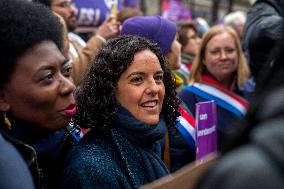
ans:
(185, 123)
(211, 89)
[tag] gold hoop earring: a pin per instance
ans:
(7, 121)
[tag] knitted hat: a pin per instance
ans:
(155, 28)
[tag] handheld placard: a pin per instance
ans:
(206, 129)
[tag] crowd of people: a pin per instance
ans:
(117, 109)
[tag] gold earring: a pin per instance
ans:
(7, 121)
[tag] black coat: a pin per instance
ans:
(262, 32)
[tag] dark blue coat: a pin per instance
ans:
(118, 158)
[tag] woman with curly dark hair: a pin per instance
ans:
(179, 143)
(126, 99)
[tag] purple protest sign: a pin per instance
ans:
(206, 129)
(91, 13)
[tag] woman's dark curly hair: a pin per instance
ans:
(96, 98)
(23, 25)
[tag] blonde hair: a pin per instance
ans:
(242, 73)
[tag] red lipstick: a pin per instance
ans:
(70, 110)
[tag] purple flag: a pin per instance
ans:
(206, 129)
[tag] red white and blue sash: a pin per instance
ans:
(211, 89)
(185, 123)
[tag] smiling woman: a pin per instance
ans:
(143, 83)
(219, 72)
(126, 99)
(36, 89)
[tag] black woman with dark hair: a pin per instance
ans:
(36, 89)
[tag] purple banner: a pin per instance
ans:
(91, 13)
(175, 10)
(206, 129)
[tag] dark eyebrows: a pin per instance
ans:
(135, 74)
(160, 72)
(47, 66)
(66, 62)
(142, 73)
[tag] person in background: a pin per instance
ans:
(190, 42)
(262, 31)
(67, 9)
(237, 21)
(176, 150)
(253, 158)
(218, 73)
(80, 51)
(36, 89)
(126, 100)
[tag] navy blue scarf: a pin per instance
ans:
(138, 132)
(144, 155)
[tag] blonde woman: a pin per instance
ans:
(219, 73)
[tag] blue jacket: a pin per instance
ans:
(13, 170)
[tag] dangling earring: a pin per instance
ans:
(7, 121)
